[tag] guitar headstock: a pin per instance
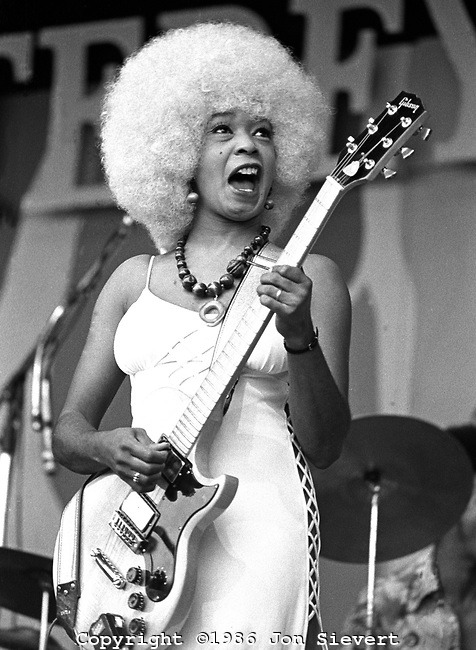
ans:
(366, 156)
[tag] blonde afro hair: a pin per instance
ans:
(156, 111)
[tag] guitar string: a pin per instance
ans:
(371, 149)
(347, 157)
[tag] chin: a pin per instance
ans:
(246, 212)
(244, 215)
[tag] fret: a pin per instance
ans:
(179, 445)
(215, 382)
(197, 398)
(234, 343)
(237, 333)
(230, 344)
(249, 329)
(193, 404)
(206, 399)
(252, 311)
(186, 416)
(197, 413)
(216, 377)
(202, 387)
(227, 370)
(224, 353)
(181, 428)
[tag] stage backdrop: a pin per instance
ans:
(406, 246)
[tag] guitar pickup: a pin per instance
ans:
(135, 520)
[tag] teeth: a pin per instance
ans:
(252, 171)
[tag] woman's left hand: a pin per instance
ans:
(287, 292)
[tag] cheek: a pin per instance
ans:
(271, 173)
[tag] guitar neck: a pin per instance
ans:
(232, 358)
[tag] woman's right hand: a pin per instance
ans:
(131, 454)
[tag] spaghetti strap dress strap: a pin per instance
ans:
(149, 271)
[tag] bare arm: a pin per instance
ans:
(77, 442)
(318, 378)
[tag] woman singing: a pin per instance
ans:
(209, 137)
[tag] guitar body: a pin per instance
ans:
(125, 591)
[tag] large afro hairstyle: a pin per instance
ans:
(156, 111)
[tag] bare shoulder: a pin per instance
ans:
(328, 282)
(126, 282)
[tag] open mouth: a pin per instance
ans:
(245, 179)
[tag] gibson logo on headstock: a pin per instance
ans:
(406, 102)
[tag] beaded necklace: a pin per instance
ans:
(213, 311)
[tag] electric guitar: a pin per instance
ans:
(124, 563)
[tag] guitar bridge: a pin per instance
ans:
(134, 521)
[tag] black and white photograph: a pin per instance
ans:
(237, 317)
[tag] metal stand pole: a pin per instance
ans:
(373, 479)
(11, 410)
(45, 605)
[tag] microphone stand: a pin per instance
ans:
(54, 334)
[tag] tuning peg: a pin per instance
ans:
(350, 144)
(424, 132)
(406, 152)
(391, 108)
(371, 126)
(388, 173)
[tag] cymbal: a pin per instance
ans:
(23, 577)
(425, 479)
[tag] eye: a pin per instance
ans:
(265, 132)
(220, 129)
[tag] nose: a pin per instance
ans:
(244, 143)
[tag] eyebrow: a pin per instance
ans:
(218, 116)
(225, 114)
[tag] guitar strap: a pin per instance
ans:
(67, 568)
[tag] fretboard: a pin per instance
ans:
(229, 362)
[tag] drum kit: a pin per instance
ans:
(399, 486)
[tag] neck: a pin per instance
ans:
(223, 233)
